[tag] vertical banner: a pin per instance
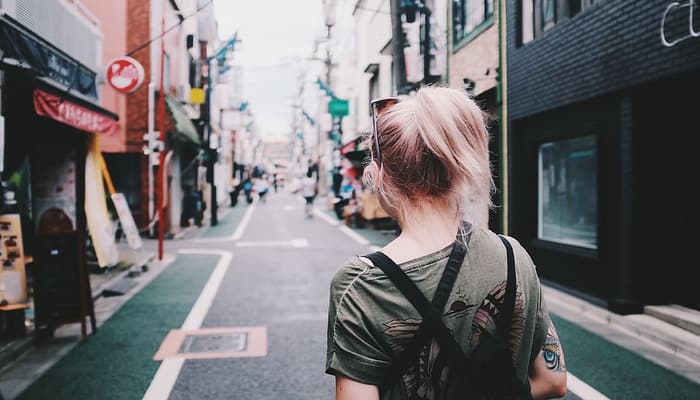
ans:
(99, 220)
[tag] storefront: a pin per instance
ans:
(603, 187)
(51, 120)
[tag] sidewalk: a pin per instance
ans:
(22, 363)
(28, 362)
(100, 280)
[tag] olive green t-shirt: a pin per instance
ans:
(370, 321)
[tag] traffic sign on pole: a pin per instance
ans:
(338, 107)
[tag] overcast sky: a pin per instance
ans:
(273, 33)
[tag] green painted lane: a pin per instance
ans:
(117, 362)
(617, 372)
(228, 224)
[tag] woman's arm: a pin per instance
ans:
(548, 370)
(348, 389)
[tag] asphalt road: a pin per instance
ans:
(278, 279)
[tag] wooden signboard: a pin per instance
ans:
(13, 281)
(61, 283)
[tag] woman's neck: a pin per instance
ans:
(429, 229)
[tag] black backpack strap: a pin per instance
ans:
(449, 276)
(432, 312)
(506, 319)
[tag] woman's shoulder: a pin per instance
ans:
(349, 272)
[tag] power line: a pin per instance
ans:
(148, 43)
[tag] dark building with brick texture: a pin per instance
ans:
(601, 110)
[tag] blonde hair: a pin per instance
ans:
(434, 148)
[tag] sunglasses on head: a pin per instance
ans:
(377, 107)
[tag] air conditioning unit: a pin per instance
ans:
(182, 93)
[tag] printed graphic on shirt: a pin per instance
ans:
(484, 322)
(429, 374)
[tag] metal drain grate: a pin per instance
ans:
(215, 343)
(206, 343)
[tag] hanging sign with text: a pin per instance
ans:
(72, 114)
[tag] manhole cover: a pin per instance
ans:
(215, 343)
(205, 343)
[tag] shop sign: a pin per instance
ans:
(676, 12)
(45, 59)
(69, 113)
(338, 107)
(197, 96)
(125, 74)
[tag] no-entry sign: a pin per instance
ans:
(124, 74)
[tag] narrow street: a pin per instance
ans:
(264, 271)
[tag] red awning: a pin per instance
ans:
(70, 113)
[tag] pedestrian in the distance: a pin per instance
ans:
(448, 310)
(309, 189)
(248, 190)
(262, 186)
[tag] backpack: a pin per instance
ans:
(488, 372)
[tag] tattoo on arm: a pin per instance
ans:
(551, 351)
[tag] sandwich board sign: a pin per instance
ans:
(126, 220)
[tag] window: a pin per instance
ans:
(468, 15)
(568, 188)
(538, 16)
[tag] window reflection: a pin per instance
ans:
(568, 188)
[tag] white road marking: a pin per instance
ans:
(582, 389)
(164, 380)
(326, 217)
(299, 242)
(354, 235)
(244, 222)
(237, 233)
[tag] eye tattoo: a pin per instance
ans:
(551, 351)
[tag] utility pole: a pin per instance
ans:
(427, 77)
(211, 151)
(205, 115)
(397, 43)
(161, 154)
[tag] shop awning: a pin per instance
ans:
(20, 46)
(355, 150)
(184, 127)
(72, 110)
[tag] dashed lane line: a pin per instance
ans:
(164, 380)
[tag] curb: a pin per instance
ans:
(645, 335)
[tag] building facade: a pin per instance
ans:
(473, 39)
(134, 28)
(601, 177)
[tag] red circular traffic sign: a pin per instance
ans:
(124, 74)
